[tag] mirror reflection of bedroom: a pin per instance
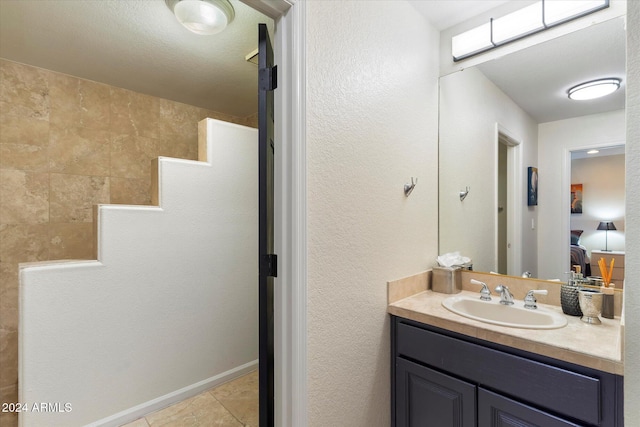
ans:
(597, 211)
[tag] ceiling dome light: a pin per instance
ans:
(594, 89)
(204, 17)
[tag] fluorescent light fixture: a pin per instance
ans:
(594, 89)
(529, 20)
(205, 17)
(558, 11)
(472, 41)
(593, 151)
(514, 25)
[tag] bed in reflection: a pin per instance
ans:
(579, 254)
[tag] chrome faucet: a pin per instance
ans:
(505, 296)
(485, 293)
(530, 300)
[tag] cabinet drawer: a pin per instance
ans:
(559, 390)
(608, 256)
(619, 259)
(617, 276)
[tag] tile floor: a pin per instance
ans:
(233, 404)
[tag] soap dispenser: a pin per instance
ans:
(569, 295)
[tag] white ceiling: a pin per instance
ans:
(614, 150)
(139, 45)
(538, 78)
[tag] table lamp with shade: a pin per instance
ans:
(606, 226)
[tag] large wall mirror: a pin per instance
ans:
(500, 118)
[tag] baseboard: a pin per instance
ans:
(169, 399)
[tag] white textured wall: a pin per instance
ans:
(372, 103)
(470, 107)
(170, 307)
(632, 258)
(603, 197)
(555, 140)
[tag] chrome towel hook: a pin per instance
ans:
(463, 194)
(408, 188)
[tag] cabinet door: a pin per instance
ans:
(495, 410)
(427, 398)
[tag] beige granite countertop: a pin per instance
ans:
(594, 346)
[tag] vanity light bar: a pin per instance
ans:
(521, 23)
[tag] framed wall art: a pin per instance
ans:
(576, 198)
(532, 186)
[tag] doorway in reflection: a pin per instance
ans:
(599, 173)
(508, 193)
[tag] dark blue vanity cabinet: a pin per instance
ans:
(444, 379)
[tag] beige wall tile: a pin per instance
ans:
(9, 314)
(73, 196)
(95, 104)
(251, 121)
(127, 191)
(9, 419)
(178, 148)
(8, 295)
(134, 113)
(79, 103)
(64, 100)
(24, 197)
(24, 90)
(178, 127)
(32, 158)
(22, 129)
(8, 272)
(9, 394)
(17, 110)
(8, 357)
(131, 156)
(24, 242)
(178, 120)
(71, 241)
(208, 114)
(79, 151)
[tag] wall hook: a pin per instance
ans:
(408, 188)
(463, 194)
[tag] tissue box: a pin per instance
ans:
(446, 280)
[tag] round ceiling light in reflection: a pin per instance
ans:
(594, 89)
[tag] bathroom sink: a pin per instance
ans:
(514, 316)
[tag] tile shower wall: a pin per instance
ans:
(67, 144)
